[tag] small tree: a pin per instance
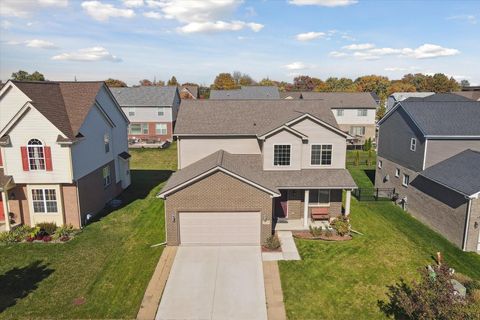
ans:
(224, 81)
(369, 157)
(115, 83)
(357, 158)
(173, 81)
(25, 76)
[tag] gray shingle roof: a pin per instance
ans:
(343, 100)
(250, 168)
(400, 96)
(145, 96)
(460, 172)
(246, 93)
(445, 118)
(291, 95)
(473, 95)
(245, 117)
(439, 97)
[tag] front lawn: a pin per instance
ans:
(104, 271)
(345, 280)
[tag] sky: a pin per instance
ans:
(194, 40)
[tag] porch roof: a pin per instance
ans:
(250, 168)
(4, 180)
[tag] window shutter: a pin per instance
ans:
(26, 167)
(48, 158)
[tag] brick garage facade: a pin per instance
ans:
(218, 192)
(443, 209)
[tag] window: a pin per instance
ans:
(397, 172)
(321, 155)
(406, 180)
(340, 112)
(281, 155)
(357, 131)
(106, 142)
(161, 111)
(139, 128)
(106, 176)
(36, 155)
(131, 111)
(362, 112)
(413, 144)
(161, 128)
(379, 164)
(44, 200)
(319, 197)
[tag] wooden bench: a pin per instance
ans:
(320, 213)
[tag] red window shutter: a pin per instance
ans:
(26, 167)
(48, 158)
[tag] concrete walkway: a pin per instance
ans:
(273, 291)
(154, 291)
(215, 282)
(289, 249)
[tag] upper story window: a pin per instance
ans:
(106, 142)
(413, 144)
(357, 131)
(106, 176)
(362, 112)
(36, 155)
(131, 111)
(44, 200)
(321, 155)
(281, 155)
(340, 112)
(161, 128)
(138, 128)
(161, 111)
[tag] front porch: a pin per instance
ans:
(299, 225)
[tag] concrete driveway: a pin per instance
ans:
(215, 282)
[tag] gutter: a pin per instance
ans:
(467, 223)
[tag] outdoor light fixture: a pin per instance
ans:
(12, 196)
(173, 217)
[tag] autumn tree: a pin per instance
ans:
(441, 83)
(224, 81)
(145, 83)
(267, 82)
(173, 81)
(305, 83)
(25, 76)
(418, 80)
(333, 84)
(242, 79)
(373, 83)
(400, 86)
(115, 83)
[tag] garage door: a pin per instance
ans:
(220, 228)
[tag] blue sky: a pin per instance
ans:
(197, 39)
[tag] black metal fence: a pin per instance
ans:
(374, 194)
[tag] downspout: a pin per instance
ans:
(467, 223)
(77, 188)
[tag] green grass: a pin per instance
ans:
(109, 264)
(345, 280)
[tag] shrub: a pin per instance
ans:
(316, 231)
(15, 235)
(328, 233)
(341, 225)
(47, 238)
(47, 227)
(272, 242)
(357, 158)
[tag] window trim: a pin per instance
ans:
(340, 114)
(413, 143)
(42, 146)
(318, 204)
(273, 155)
(362, 112)
(380, 164)
(106, 142)
(397, 173)
(44, 200)
(131, 111)
(141, 128)
(359, 126)
(160, 110)
(160, 133)
(321, 150)
(403, 180)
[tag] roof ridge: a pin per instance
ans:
(220, 157)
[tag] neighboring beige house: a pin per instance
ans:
(355, 113)
(248, 167)
(63, 151)
(429, 151)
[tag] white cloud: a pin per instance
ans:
(6, 24)
(307, 36)
(323, 3)
(395, 69)
(133, 3)
(103, 11)
(364, 55)
(88, 54)
(337, 54)
(428, 51)
(37, 43)
(24, 8)
(296, 66)
(359, 46)
(153, 15)
(469, 18)
(207, 26)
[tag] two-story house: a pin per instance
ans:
(246, 165)
(355, 113)
(152, 112)
(64, 151)
(429, 151)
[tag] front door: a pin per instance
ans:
(281, 207)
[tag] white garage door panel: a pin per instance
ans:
(220, 228)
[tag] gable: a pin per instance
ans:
(12, 100)
(312, 128)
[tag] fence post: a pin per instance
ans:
(359, 194)
(376, 198)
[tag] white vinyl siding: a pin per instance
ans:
(362, 112)
(340, 112)
(150, 114)
(161, 111)
(131, 112)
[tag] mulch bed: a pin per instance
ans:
(265, 249)
(307, 235)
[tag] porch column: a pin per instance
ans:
(305, 208)
(6, 211)
(347, 202)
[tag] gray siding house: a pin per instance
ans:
(428, 150)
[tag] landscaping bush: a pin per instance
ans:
(47, 227)
(341, 225)
(316, 231)
(272, 242)
(15, 235)
(64, 232)
(328, 233)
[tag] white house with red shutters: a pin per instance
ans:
(63, 152)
